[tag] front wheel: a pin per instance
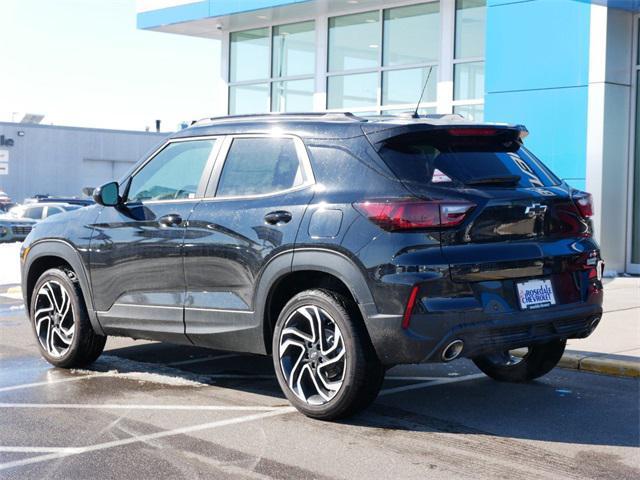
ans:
(324, 360)
(60, 321)
(536, 361)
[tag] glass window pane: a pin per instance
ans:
(292, 96)
(354, 41)
(249, 55)
(412, 34)
(172, 174)
(249, 99)
(294, 49)
(470, 28)
(405, 86)
(352, 91)
(475, 113)
(468, 81)
(34, 213)
(256, 166)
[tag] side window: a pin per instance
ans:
(33, 212)
(261, 165)
(53, 211)
(172, 174)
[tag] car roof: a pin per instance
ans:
(322, 125)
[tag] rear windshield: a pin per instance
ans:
(437, 158)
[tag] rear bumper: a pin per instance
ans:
(481, 333)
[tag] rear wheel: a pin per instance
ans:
(522, 366)
(324, 360)
(60, 321)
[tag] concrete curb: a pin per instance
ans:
(603, 364)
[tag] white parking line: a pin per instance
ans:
(202, 359)
(112, 406)
(144, 438)
(38, 450)
(48, 382)
(431, 383)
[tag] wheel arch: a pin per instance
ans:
(299, 270)
(55, 253)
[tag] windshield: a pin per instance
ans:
(434, 158)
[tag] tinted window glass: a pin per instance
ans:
(53, 211)
(33, 212)
(473, 160)
(257, 166)
(172, 174)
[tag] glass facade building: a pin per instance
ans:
(567, 69)
(374, 61)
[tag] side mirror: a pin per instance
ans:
(107, 195)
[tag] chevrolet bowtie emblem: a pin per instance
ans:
(535, 210)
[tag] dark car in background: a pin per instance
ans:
(5, 201)
(18, 222)
(340, 245)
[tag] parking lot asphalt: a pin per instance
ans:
(151, 410)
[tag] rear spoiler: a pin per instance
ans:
(377, 133)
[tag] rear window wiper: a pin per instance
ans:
(501, 180)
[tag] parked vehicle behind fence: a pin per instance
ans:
(341, 246)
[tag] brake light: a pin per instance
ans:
(396, 215)
(472, 132)
(406, 318)
(584, 203)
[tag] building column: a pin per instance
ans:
(608, 128)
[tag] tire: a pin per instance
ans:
(355, 376)
(538, 361)
(68, 339)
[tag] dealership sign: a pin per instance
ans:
(4, 162)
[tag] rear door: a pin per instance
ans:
(523, 222)
(255, 201)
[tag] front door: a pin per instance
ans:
(254, 205)
(137, 270)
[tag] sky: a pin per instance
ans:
(84, 63)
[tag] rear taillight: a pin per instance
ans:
(396, 215)
(584, 204)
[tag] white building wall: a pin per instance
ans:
(63, 160)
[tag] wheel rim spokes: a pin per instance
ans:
(53, 318)
(312, 355)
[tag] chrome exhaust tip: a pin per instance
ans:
(452, 351)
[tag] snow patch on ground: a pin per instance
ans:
(10, 263)
(145, 372)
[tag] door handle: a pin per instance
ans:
(170, 220)
(279, 216)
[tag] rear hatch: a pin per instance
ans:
(514, 219)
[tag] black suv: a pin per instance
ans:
(339, 245)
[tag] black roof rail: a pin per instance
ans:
(336, 116)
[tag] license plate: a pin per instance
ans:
(536, 294)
